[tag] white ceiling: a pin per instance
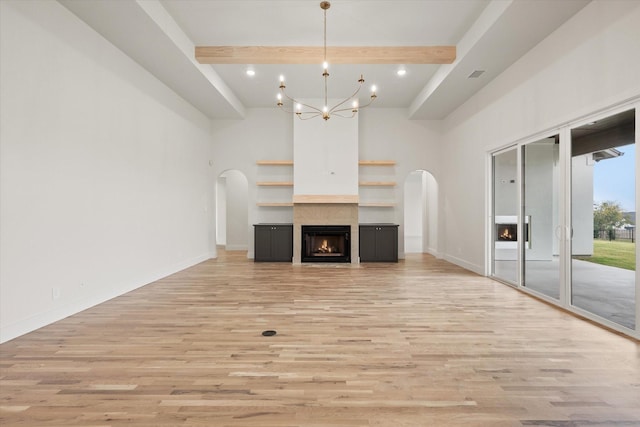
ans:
(161, 34)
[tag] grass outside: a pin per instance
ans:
(615, 253)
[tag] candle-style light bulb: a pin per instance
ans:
(325, 65)
(373, 89)
(281, 78)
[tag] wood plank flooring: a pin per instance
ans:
(418, 343)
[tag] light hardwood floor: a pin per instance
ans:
(418, 343)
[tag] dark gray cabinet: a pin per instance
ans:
(273, 242)
(378, 243)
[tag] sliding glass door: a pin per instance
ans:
(564, 218)
(540, 226)
(504, 240)
(603, 215)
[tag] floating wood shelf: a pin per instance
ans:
(377, 205)
(275, 184)
(377, 184)
(377, 162)
(276, 205)
(325, 198)
(275, 162)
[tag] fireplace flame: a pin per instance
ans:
(324, 248)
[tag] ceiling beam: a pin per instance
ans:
(335, 55)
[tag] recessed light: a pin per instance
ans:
(401, 72)
(251, 72)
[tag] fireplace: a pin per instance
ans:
(326, 243)
(507, 229)
(506, 233)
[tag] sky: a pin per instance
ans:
(614, 179)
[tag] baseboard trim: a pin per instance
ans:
(464, 264)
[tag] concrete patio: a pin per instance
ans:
(608, 292)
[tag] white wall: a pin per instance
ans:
(264, 134)
(325, 155)
(430, 242)
(587, 65)
(105, 183)
(414, 211)
(236, 203)
(421, 213)
(506, 183)
(221, 210)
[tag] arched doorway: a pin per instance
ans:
(232, 203)
(421, 213)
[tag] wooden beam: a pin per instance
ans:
(335, 55)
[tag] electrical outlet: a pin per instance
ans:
(55, 293)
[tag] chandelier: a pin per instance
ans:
(341, 109)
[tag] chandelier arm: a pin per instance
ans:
(373, 98)
(315, 110)
(346, 99)
(345, 109)
(297, 102)
(313, 115)
(287, 96)
(335, 113)
(335, 107)
(284, 109)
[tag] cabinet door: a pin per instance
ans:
(387, 244)
(367, 244)
(282, 243)
(262, 242)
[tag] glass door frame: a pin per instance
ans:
(563, 231)
(492, 229)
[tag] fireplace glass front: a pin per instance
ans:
(326, 243)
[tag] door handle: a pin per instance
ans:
(558, 232)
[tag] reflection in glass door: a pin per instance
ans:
(603, 206)
(505, 216)
(540, 243)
